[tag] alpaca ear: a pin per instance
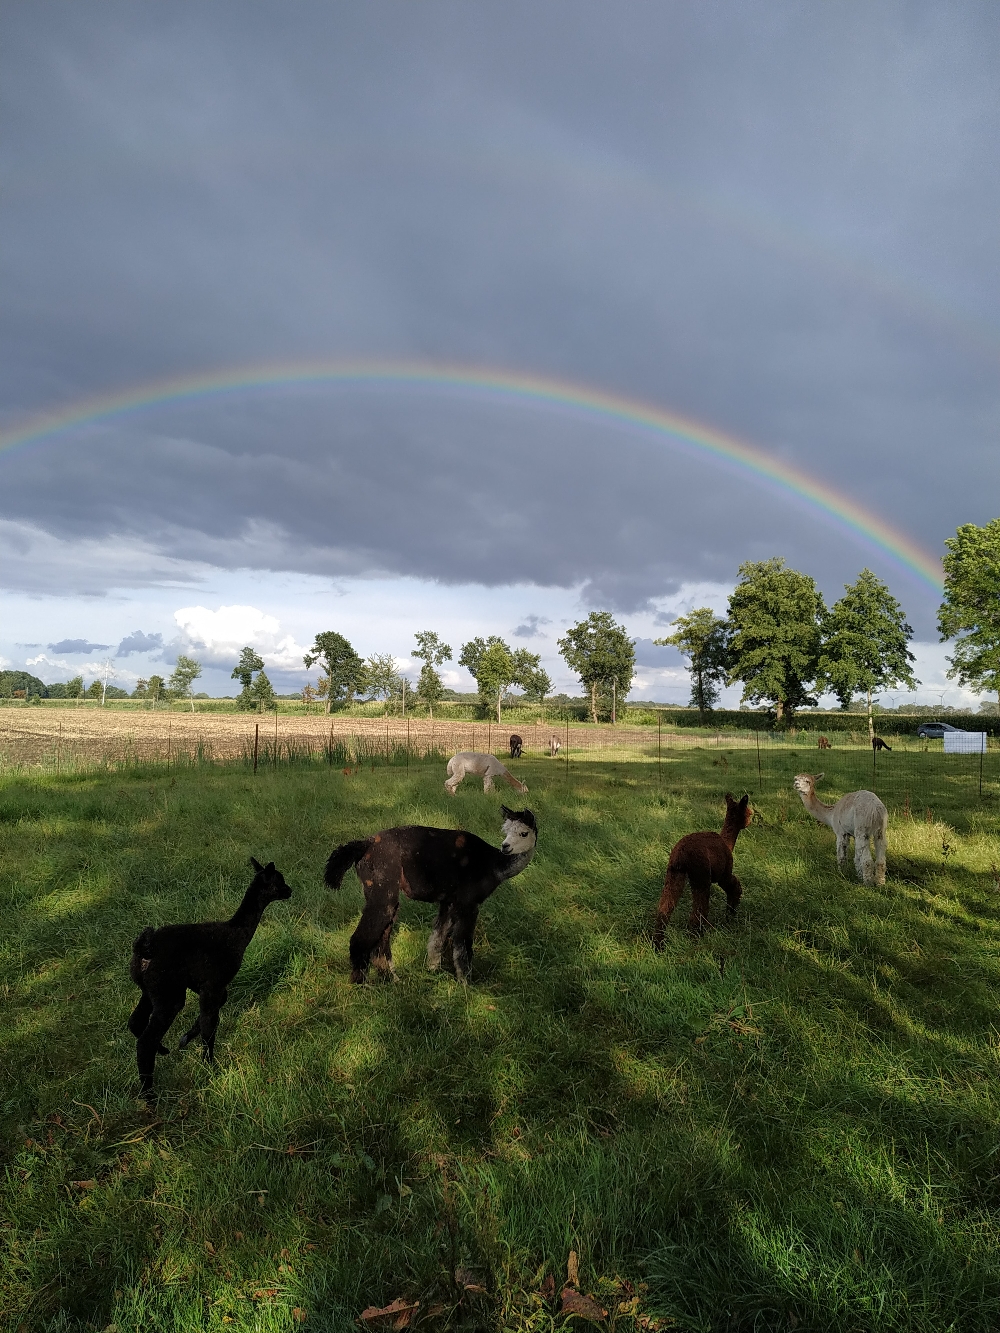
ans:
(269, 866)
(256, 864)
(507, 814)
(818, 777)
(730, 797)
(745, 799)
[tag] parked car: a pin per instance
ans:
(934, 731)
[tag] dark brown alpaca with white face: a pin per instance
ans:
(456, 870)
(704, 859)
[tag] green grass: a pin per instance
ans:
(790, 1123)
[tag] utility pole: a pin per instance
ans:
(104, 687)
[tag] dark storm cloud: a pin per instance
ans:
(77, 646)
(777, 219)
(138, 642)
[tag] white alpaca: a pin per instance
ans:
(486, 766)
(859, 815)
(555, 745)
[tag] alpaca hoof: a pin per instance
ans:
(357, 976)
(182, 1045)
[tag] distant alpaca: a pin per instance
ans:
(458, 871)
(879, 744)
(859, 815)
(486, 766)
(555, 745)
(823, 743)
(704, 859)
(515, 747)
(168, 962)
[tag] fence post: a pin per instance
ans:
(567, 743)
(407, 745)
(981, 752)
(760, 780)
(256, 742)
(276, 735)
(659, 751)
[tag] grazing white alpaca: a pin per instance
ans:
(555, 745)
(486, 766)
(859, 815)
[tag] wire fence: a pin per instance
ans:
(759, 762)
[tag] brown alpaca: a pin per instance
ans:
(704, 859)
(823, 743)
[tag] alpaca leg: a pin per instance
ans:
(863, 864)
(880, 858)
(140, 1018)
(210, 1002)
(673, 887)
(382, 953)
(488, 782)
(376, 917)
(461, 933)
(165, 1010)
(734, 892)
(439, 936)
(701, 892)
(843, 842)
(140, 1015)
(452, 784)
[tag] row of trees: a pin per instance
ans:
(785, 647)
(597, 649)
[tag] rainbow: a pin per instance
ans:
(508, 386)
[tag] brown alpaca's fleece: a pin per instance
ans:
(704, 859)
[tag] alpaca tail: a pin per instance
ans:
(143, 946)
(341, 860)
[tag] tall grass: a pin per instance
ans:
(790, 1123)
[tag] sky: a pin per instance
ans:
(776, 222)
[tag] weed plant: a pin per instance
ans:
(788, 1123)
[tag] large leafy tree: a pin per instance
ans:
(600, 651)
(703, 638)
(865, 641)
(344, 669)
(262, 694)
(250, 661)
(382, 679)
(183, 676)
(970, 612)
(498, 668)
(433, 651)
(774, 645)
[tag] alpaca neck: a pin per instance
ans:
(817, 809)
(729, 834)
(246, 918)
(511, 865)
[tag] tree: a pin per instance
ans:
(156, 688)
(970, 612)
(703, 638)
(497, 667)
(141, 689)
(95, 690)
(250, 661)
(864, 644)
(345, 671)
(183, 676)
(774, 618)
(433, 651)
(262, 694)
(600, 651)
(382, 679)
(74, 688)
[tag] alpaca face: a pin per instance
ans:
(805, 783)
(274, 881)
(520, 832)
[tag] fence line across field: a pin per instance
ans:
(760, 762)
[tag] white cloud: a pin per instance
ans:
(220, 635)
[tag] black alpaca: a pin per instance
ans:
(458, 871)
(169, 961)
(879, 744)
(515, 747)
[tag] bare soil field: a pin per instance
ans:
(69, 737)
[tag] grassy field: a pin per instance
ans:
(791, 1123)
